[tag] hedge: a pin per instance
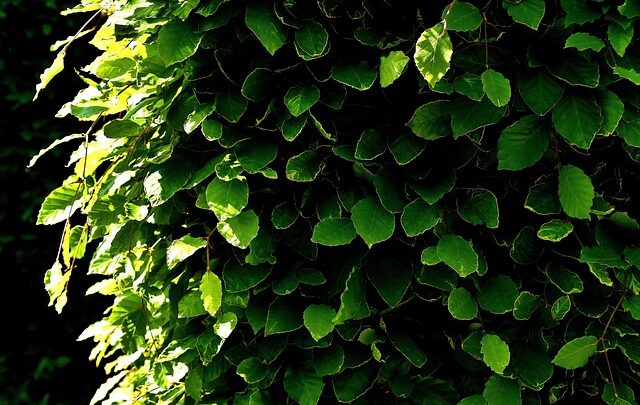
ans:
(361, 201)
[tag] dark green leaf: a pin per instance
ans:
(358, 76)
(479, 206)
(264, 24)
(498, 296)
(372, 222)
(523, 144)
(539, 91)
(419, 216)
(462, 305)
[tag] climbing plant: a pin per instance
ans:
(366, 201)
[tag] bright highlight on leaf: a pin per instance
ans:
(433, 53)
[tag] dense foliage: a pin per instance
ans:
(366, 201)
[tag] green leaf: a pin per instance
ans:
(230, 105)
(351, 384)
(328, 361)
(526, 12)
(196, 117)
(526, 247)
(523, 143)
(619, 37)
(193, 383)
(560, 307)
(359, 76)
(612, 109)
(437, 184)
(458, 254)
(300, 98)
(334, 232)
(469, 85)
(601, 255)
(239, 230)
(468, 115)
(176, 42)
(370, 145)
(566, 280)
(60, 204)
(555, 230)
(49, 73)
(212, 129)
(282, 317)
(391, 277)
(392, 67)
(372, 222)
(310, 276)
(252, 370)
(303, 384)
(227, 198)
(576, 353)
(182, 248)
(433, 53)
(304, 167)
(473, 400)
(543, 199)
(419, 216)
(630, 132)
(533, 367)
(190, 305)
(525, 305)
(225, 324)
(479, 206)
(577, 119)
(311, 41)
(575, 191)
(583, 41)
(402, 341)
(432, 120)
(631, 73)
(495, 353)
(352, 300)
(539, 91)
(462, 305)
(461, 16)
(630, 9)
(264, 24)
(632, 305)
(499, 295)
(497, 87)
(55, 283)
(255, 154)
(256, 85)
(238, 278)
(576, 70)
(169, 178)
(293, 126)
(500, 391)
(391, 194)
(283, 216)
(211, 292)
(405, 148)
(318, 319)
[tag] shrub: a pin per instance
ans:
(376, 201)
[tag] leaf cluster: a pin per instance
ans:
(342, 201)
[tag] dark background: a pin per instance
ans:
(40, 360)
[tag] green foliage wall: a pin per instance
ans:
(364, 201)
